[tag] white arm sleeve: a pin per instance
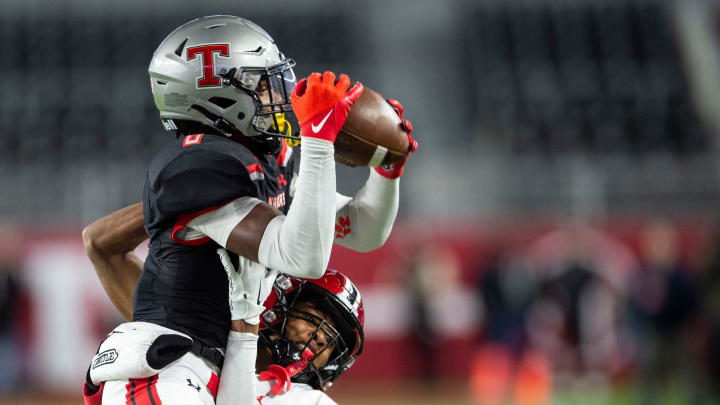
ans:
(219, 223)
(237, 380)
(364, 222)
(299, 244)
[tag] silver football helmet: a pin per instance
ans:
(224, 72)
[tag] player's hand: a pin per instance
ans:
(247, 290)
(321, 104)
(395, 170)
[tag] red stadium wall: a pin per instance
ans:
(476, 245)
(64, 305)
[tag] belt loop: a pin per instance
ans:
(211, 354)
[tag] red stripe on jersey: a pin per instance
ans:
(281, 156)
(153, 391)
(213, 384)
(142, 391)
(254, 168)
(130, 392)
(183, 220)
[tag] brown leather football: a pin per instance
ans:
(372, 135)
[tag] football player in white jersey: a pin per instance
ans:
(311, 330)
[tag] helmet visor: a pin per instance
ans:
(270, 86)
(282, 81)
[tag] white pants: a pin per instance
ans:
(189, 381)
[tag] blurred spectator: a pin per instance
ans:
(577, 318)
(10, 294)
(433, 274)
(574, 320)
(505, 369)
(553, 317)
(507, 289)
(663, 300)
(709, 293)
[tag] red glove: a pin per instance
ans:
(395, 170)
(321, 105)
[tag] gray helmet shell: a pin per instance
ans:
(184, 82)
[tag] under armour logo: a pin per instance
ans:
(197, 387)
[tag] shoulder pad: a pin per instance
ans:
(198, 179)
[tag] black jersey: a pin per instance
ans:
(183, 285)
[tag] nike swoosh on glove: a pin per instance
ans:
(395, 170)
(322, 105)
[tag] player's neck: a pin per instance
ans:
(253, 146)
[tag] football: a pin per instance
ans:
(372, 135)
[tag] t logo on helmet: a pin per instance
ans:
(207, 61)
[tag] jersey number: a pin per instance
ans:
(192, 139)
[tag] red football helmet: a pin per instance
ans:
(335, 295)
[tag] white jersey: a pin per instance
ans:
(299, 394)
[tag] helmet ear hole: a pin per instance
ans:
(222, 102)
(179, 49)
(241, 116)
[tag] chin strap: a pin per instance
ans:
(282, 375)
(279, 123)
(284, 130)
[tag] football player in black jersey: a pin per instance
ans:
(217, 200)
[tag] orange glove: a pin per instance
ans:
(321, 105)
(396, 170)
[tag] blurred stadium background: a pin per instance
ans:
(558, 239)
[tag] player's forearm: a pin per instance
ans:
(117, 233)
(240, 325)
(118, 275)
(364, 222)
(109, 243)
(237, 381)
(299, 244)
